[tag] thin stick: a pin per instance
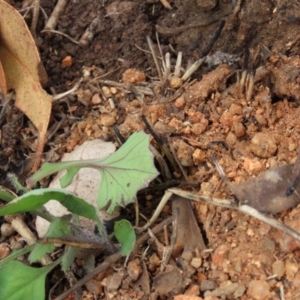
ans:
(35, 16)
(178, 64)
(150, 44)
(61, 33)
(90, 32)
(53, 20)
(243, 208)
(166, 4)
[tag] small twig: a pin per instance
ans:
(169, 248)
(53, 19)
(63, 95)
(90, 32)
(150, 44)
(61, 33)
(166, 4)
(162, 143)
(35, 16)
(178, 64)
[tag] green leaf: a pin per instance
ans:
(39, 251)
(69, 257)
(36, 198)
(60, 226)
(6, 194)
(125, 172)
(18, 281)
(128, 170)
(125, 235)
(67, 179)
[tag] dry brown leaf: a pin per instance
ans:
(3, 88)
(21, 64)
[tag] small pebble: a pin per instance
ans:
(134, 269)
(106, 92)
(278, 268)
(207, 285)
(263, 145)
(258, 289)
(96, 99)
(175, 82)
(196, 262)
(4, 250)
(7, 230)
(180, 102)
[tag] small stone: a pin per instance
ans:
(231, 139)
(106, 92)
(133, 76)
(263, 145)
(261, 120)
(108, 119)
(187, 255)
(94, 286)
(7, 229)
(114, 281)
(4, 250)
(292, 147)
(87, 95)
(196, 262)
(154, 262)
(239, 291)
(226, 119)
(184, 153)
(67, 61)
(258, 289)
(198, 128)
(235, 109)
(198, 156)
(291, 269)
(187, 297)
(175, 82)
(220, 254)
(253, 166)
(207, 285)
(193, 290)
(180, 102)
(278, 268)
(226, 288)
(113, 90)
(239, 129)
(134, 269)
(96, 99)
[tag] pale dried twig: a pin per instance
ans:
(53, 20)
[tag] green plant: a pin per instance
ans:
(123, 174)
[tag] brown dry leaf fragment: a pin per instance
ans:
(3, 87)
(21, 64)
(267, 192)
(189, 236)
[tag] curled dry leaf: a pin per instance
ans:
(3, 87)
(23, 69)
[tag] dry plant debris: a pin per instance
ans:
(23, 72)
